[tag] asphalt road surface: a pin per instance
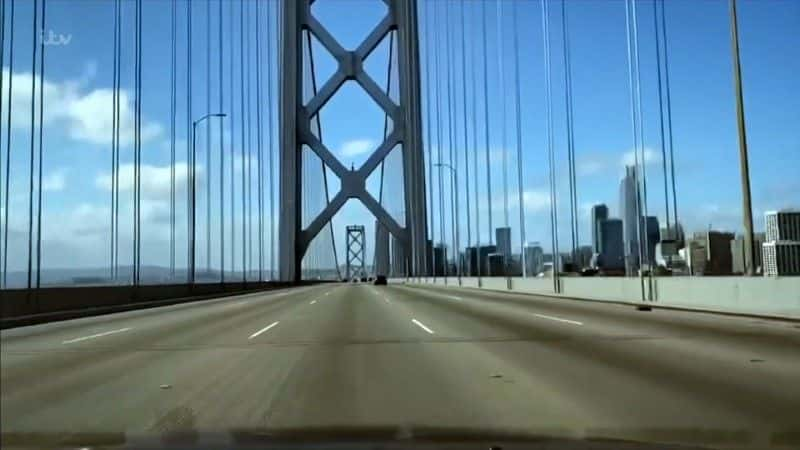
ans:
(366, 356)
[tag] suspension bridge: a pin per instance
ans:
(241, 170)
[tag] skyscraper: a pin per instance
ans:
(781, 252)
(719, 260)
(599, 213)
(503, 239)
(534, 259)
(653, 234)
(629, 212)
(612, 250)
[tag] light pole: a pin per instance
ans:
(453, 212)
(193, 177)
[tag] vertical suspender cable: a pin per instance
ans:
(259, 132)
(115, 133)
(644, 244)
(550, 146)
(114, 99)
(573, 188)
(451, 139)
(661, 116)
(439, 143)
(428, 141)
(189, 158)
(138, 139)
(518, 113)
(270, 69)
(41, 152)
(503, 141)
(249, 126)
(635, 131)
(2, 61)
(669, 117)
(208, 138)
(172, 113)
(466, 129)
(8, 144)
(474, 97)
(232, 123)
(221, 101)
(33, 142)
(242, 142)
(486, 119)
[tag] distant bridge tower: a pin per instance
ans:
(356, 251)
(296, 131)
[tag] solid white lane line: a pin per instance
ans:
(558, 319)
(263, 330)
(106, 333)
(419, 324)
(313, 301)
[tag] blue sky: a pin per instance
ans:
(77, 129)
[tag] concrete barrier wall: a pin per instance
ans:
(22, 306)
(770, 296)
(603, 288)
(779, 297)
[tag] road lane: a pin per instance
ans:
(710, 377)
(361, 356)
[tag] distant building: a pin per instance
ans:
(496, 263)
(471, 261)
(534, 259)
(781, 251)
(583, 257)
(611, 254)
(694, 253)
(599, 213)
(719, 260)
(737, 253)
(781, 258)
(484, 252)
(783, 225)
(503, 239)
(653, 235)
(629, 211)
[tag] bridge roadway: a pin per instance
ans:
(372, 356)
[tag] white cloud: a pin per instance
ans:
(536, 200)
(55, 181)
(357, 147)
(155, 180)
(591, 164)
(86, 114)
(650, 157)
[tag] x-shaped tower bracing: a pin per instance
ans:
(296, 131)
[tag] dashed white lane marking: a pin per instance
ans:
(419, 324)
(328, 293)
(454, 297)
(313, 301)
(558, 319)
(263, 330)
(106, 333)
(386, 299)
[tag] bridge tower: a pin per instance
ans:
(296, 131)
(356, 252)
